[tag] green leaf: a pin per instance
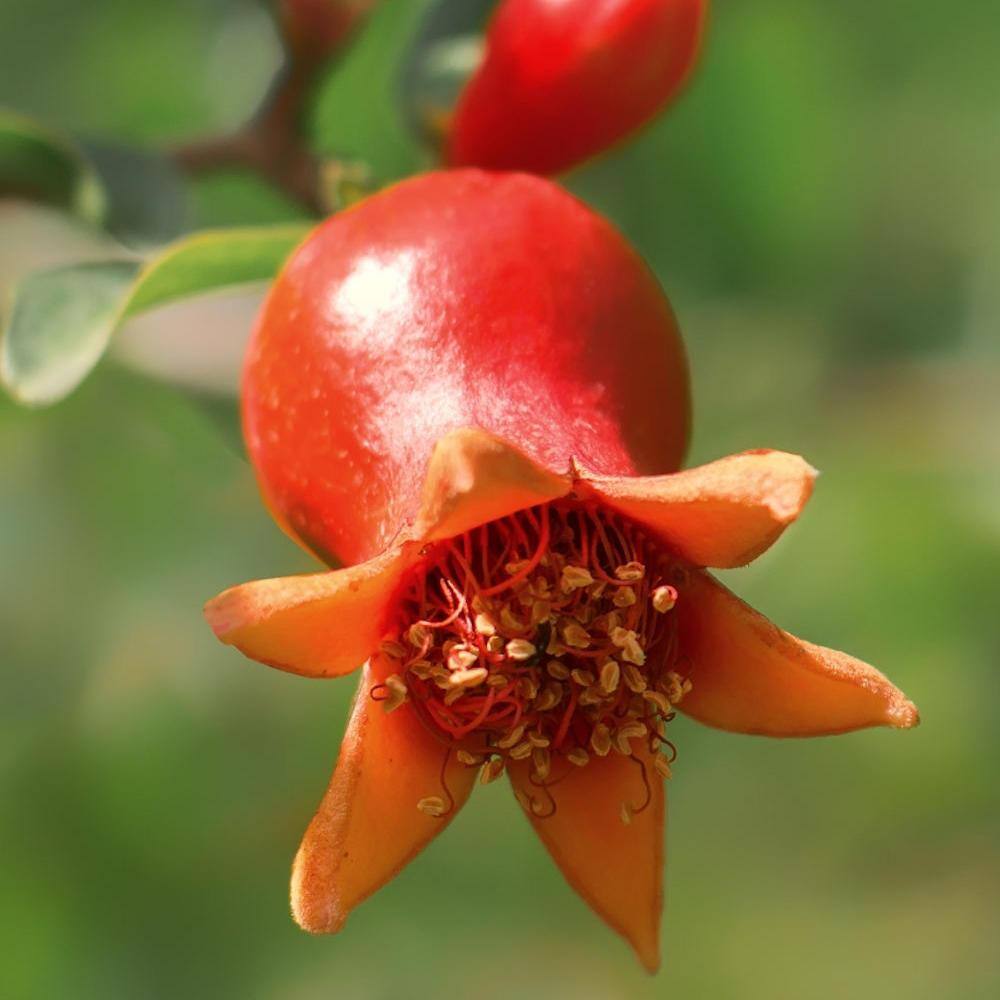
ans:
(213, 259)
(58, 327)
(42, 165)
(61, 320)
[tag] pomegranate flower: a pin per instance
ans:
(471, 391)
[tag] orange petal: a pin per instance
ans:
(321, 625)
(474, 477)
(723, 514)
(368, 825)
(748, 676)
(616, 868)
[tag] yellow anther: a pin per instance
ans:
(557, 670)
(575, 635)
(661, 701)
(632, 730)
(527, 688)
(520, 649)
(512, 737)
(393, 649)
(540, 611)
(624, 597)
(491, 770)
(579, 757)
(626, 640)
(634, 679)
(555, 647)
(664, 599)
(574, 578)
(421, 669)
(396, 687)
(418, 635)
(469, 678)
(631, 571)
(510, 621)
(541, 762)
(549, 698)
(611, 675)
(484, 625)
(600, 740)
(461, 659)
(675, 687)
(433, 805)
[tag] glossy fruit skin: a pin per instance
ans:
(454, 299)
(563, 80)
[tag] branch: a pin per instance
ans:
(273, 143)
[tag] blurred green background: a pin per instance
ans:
(823, 209)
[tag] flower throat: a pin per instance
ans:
(544, 637)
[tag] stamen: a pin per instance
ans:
(544, 638)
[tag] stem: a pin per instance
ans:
(272, 144)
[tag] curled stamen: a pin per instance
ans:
(636, 810)
(552, 806)
(535, 636)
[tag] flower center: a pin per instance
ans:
(542, 636)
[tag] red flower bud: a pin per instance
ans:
(563, 80)
(455, 299)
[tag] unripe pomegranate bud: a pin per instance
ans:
(563, 80)
(456, 299)
(314, 29)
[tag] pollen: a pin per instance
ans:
(520, 650)
(575, 577)
(484, 625)
(433, 805)
(664, 599)
(611, 675)
(541, 643)
(396, 687)
(461, 659)
(393, 649)
(624, 597)
(631, 571)
(575, 635)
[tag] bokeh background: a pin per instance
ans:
(824, 210)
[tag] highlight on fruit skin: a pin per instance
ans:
(564, 80)
(470, 392)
